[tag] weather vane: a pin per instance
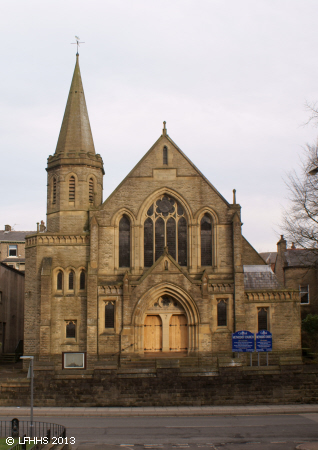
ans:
(77, 42)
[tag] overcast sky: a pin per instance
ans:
(230, 77)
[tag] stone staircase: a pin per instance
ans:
(8, 358)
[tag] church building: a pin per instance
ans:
(159, 269)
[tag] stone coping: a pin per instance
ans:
(23, 411)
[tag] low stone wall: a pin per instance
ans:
(165, 387)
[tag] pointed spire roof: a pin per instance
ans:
(75, 135)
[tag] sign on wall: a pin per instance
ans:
(243, 341)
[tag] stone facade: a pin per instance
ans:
(157, 269)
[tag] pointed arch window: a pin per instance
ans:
(54, 191)
(59, 280)
(124, 241)
(206, 240)
(165, 225)
(91, 191)
(71, 329)
(165, 156)
(222, 313)
(71, 189)
(110, 315)
(71, 280)
(82, 280)
(262, 319)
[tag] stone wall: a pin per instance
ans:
(166, 386)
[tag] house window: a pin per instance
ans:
(71, 280)
(165, 155)
(82, 280)
(222, 313)
(71, 189)
(262, 319)
(54, 191)
(304, 294)
(91, 191)
(71, 329)
(13, 250)
(59, 280)
(124, 242)
(110, 315)
(165, 225)
(206, 240)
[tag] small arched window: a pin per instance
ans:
(91, 191)
(165, 156)
(71, 189)
(110, 315)
(124, 242)
(262, 319)
(206, 240)
(82, 280)
(71, 329)
(59, 280)
(222, 313)
(54, 191)
(71, 280)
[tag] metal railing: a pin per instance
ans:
(43, 433)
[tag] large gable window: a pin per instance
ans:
(124, 242)
(165, 225)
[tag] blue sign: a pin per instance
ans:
(264, 341)
(243, 341)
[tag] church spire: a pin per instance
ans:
(75, 135)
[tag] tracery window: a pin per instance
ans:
(110, 315)
(206, 240)
(91, 191)
(59, 280)
(54, 191)
(71, 280)
(165, 225)
(262, 319)
(71, 189)
(82, 280)
(124, 242)
(222, 313)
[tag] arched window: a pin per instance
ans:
(222, 315)
(71, 189)
(71, 280)
(165, 225)
(206, 240)
(59, 280)
(124, 242)
(91, 191)
(54, 191)
(165, 156)
(262, 319)
(110, 315)
(71, 329)
(82, 280)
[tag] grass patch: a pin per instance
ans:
(5, 446)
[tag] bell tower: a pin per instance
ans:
(75, 172)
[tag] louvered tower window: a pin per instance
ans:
(54, 191)
(206, 240)
(124, 242)
(165, 225)
(91, 191)
(222, 313)
(165, 155)
(59, 280)
(71, 189)
(82, 280)
(71, 280)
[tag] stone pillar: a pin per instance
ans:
(238, 306)
(46, 296)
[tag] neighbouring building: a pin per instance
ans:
(159, 268)
(297, 268)
(11, 308)
(12, 247)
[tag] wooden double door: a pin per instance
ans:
(166, 335)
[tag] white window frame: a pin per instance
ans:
(304, 290)
(13, 247)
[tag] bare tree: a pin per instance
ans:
(300, 220)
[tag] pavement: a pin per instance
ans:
(57, 411)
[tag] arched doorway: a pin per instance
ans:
(165, 326)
